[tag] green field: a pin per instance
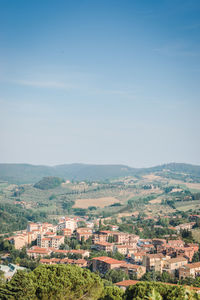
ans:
(151, 194)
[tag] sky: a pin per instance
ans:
(100, 82)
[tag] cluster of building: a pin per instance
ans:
(45, 233)
(142, 255)
(172, 256)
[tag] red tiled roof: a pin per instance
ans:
(57, 237)
(127, 282)
(121, 246)
(193, 265)
(140, 253)
(177, 259)
(131, 266)
(108, 231)
(108, 260)
(103, 244)
(38, 251)
(59, 251)
(45, 260)
(147, 245)
(78, 251)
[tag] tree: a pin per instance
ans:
(17, 260)
(116, 275)
(100, 225)
(56, 282)
(154, 290)
(154, 295)
(110, 239)
(112, 293)
(81, 224)
(195, 257)
(2, 278)
(21, 287)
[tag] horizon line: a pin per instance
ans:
(95, 164)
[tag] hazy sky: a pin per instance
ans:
(100, 81)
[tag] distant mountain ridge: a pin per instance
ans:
(27, 173)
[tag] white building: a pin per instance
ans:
(69, 223)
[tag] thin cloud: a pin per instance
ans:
(45, 84)
(87, 88)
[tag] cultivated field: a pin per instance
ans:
(187, 205)
(98, 202)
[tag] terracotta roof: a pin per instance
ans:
(79, 261)
(177, 259)
(65, 260)
(131, 266)
(45, 260)
(69, 251)
(57, 236)
(55, 259)
(103, 244)
(78, 251)
(193, 265)
(59, 251)
(121, 233)
(141, 253)
(108, 231)
(121, 246)
(127, 282)
(108, 260)
(147, 245)
(84, 232)
(37, 248)
(38, 251)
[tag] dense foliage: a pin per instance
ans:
(48, 183)
(158, 291)
(53, 282)
(69, 282)
(15, 217)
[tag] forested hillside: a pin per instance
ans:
(25, 173)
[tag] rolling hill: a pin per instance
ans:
(26, 173)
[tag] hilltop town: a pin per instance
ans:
(128, 230)
(103, 248)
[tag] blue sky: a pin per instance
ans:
(100, 81)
